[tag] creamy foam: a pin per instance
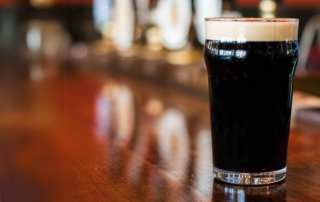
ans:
(251, 30)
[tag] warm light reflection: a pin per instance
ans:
(153, 39)
(181, 57)
(268, 15)
(56, 40)
(268, 6)
(36, 72)
(48, 38)
(41, 3)
(115, 103)
(108, 30)
(231, 14)
(124, 109)
(204, 150)
(154, 107)
(203, 163)
(103, 110)
(173, 140)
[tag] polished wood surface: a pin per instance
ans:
(109, 137)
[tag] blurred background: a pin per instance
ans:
(158, 41)
(154, 41)
(130, 71)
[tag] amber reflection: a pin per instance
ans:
(154, 107)
(162, 140)
(147, 136)
(115, 112)
(203, 165)
(227, 192)
(204, 150)
(173, 141)
(103, 110)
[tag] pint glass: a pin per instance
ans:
(251, 64)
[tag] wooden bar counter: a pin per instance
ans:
(107, 137)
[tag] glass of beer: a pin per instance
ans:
(251, 64)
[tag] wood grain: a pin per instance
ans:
(64, 140)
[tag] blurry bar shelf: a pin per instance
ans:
(158, 67)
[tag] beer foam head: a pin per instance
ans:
(251, 29)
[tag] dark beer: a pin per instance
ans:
(251, 64)
(250, 92)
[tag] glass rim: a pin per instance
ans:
(244, 19)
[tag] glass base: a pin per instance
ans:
(250, 178)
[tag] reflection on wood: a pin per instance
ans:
(75, 155)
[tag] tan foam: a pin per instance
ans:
(251, 31)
